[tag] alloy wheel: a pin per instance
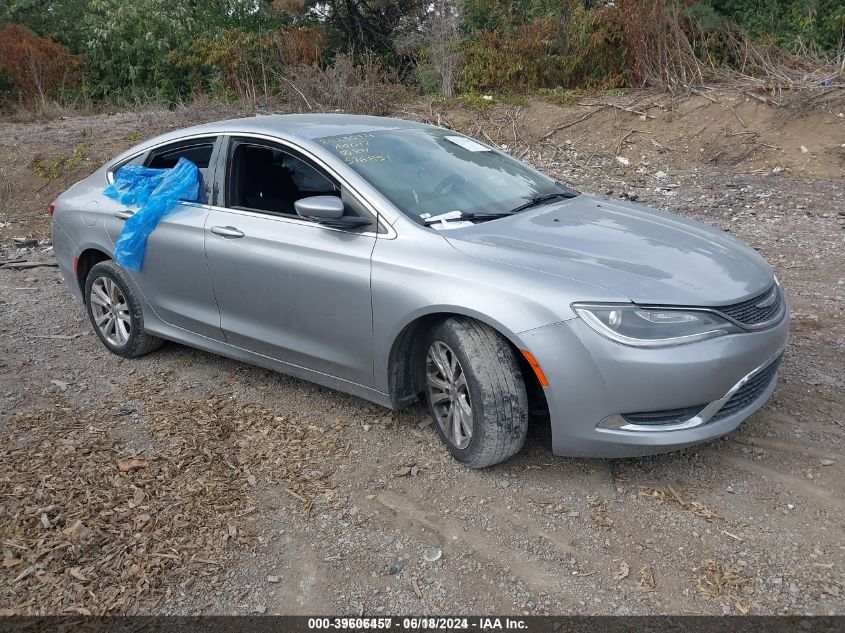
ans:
(449, 394)
(110, 311)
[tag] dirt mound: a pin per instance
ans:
(712, 128)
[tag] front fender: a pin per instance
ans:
(419, 274)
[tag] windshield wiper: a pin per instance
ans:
(482, 216)
(459, 216)
(536, 200)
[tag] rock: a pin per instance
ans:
(396, 567)
(273, 579)
(661, 175)
(804, 150)
(403, 472)
(24, 242)
(827, 462)
(623, 161)
(432, 554)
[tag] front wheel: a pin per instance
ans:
(475, 392)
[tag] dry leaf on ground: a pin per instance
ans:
(622, 572)
(95, 532)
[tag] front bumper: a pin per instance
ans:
(593, 381)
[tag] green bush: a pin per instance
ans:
(141, 50)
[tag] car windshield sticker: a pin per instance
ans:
(468, 144)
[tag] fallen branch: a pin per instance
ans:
(23, 265)
(626, 109)
(701, 94)
(571, 123)
(761, 98)
(738, 118)
(622, 140)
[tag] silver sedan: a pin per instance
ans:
(390, 260)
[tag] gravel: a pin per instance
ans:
(295, 490)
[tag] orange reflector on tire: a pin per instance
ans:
(538, 371)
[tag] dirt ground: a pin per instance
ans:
(182, 482)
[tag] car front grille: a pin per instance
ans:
(750, 313)
(749, 392)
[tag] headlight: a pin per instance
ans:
(647, 327)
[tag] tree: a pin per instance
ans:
(36, 69)
(358, 25)
(60, 20)
(433, 43)
(129, 43)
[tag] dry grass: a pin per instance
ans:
(599, 512)
(718, 580)
(671, 495)
(367, 87)
(93, 525)
(795, 82)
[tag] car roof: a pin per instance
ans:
(301, 126)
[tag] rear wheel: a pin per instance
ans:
(475, 392)
(115, 312)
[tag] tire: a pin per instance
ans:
(493, 390)
(128, 338)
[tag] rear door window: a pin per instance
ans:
(198, 151)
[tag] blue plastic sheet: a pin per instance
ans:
(156, 192)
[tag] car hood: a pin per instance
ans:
(646, 255)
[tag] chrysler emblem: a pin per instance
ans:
(769, 300)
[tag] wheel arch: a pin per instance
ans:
(86, 260)
(404, 376)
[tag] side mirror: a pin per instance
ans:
(328, 211)
(319, 208)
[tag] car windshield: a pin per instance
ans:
(429, 172)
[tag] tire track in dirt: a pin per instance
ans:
(794, 447)
(793, 483)
(537, 576)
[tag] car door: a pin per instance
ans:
(289, 288)
(174, 277)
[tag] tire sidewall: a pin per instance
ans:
(476, 395)
(108, 269)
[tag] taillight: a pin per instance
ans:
(52, 208)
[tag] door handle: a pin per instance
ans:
(124, 214)
(226, 231)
